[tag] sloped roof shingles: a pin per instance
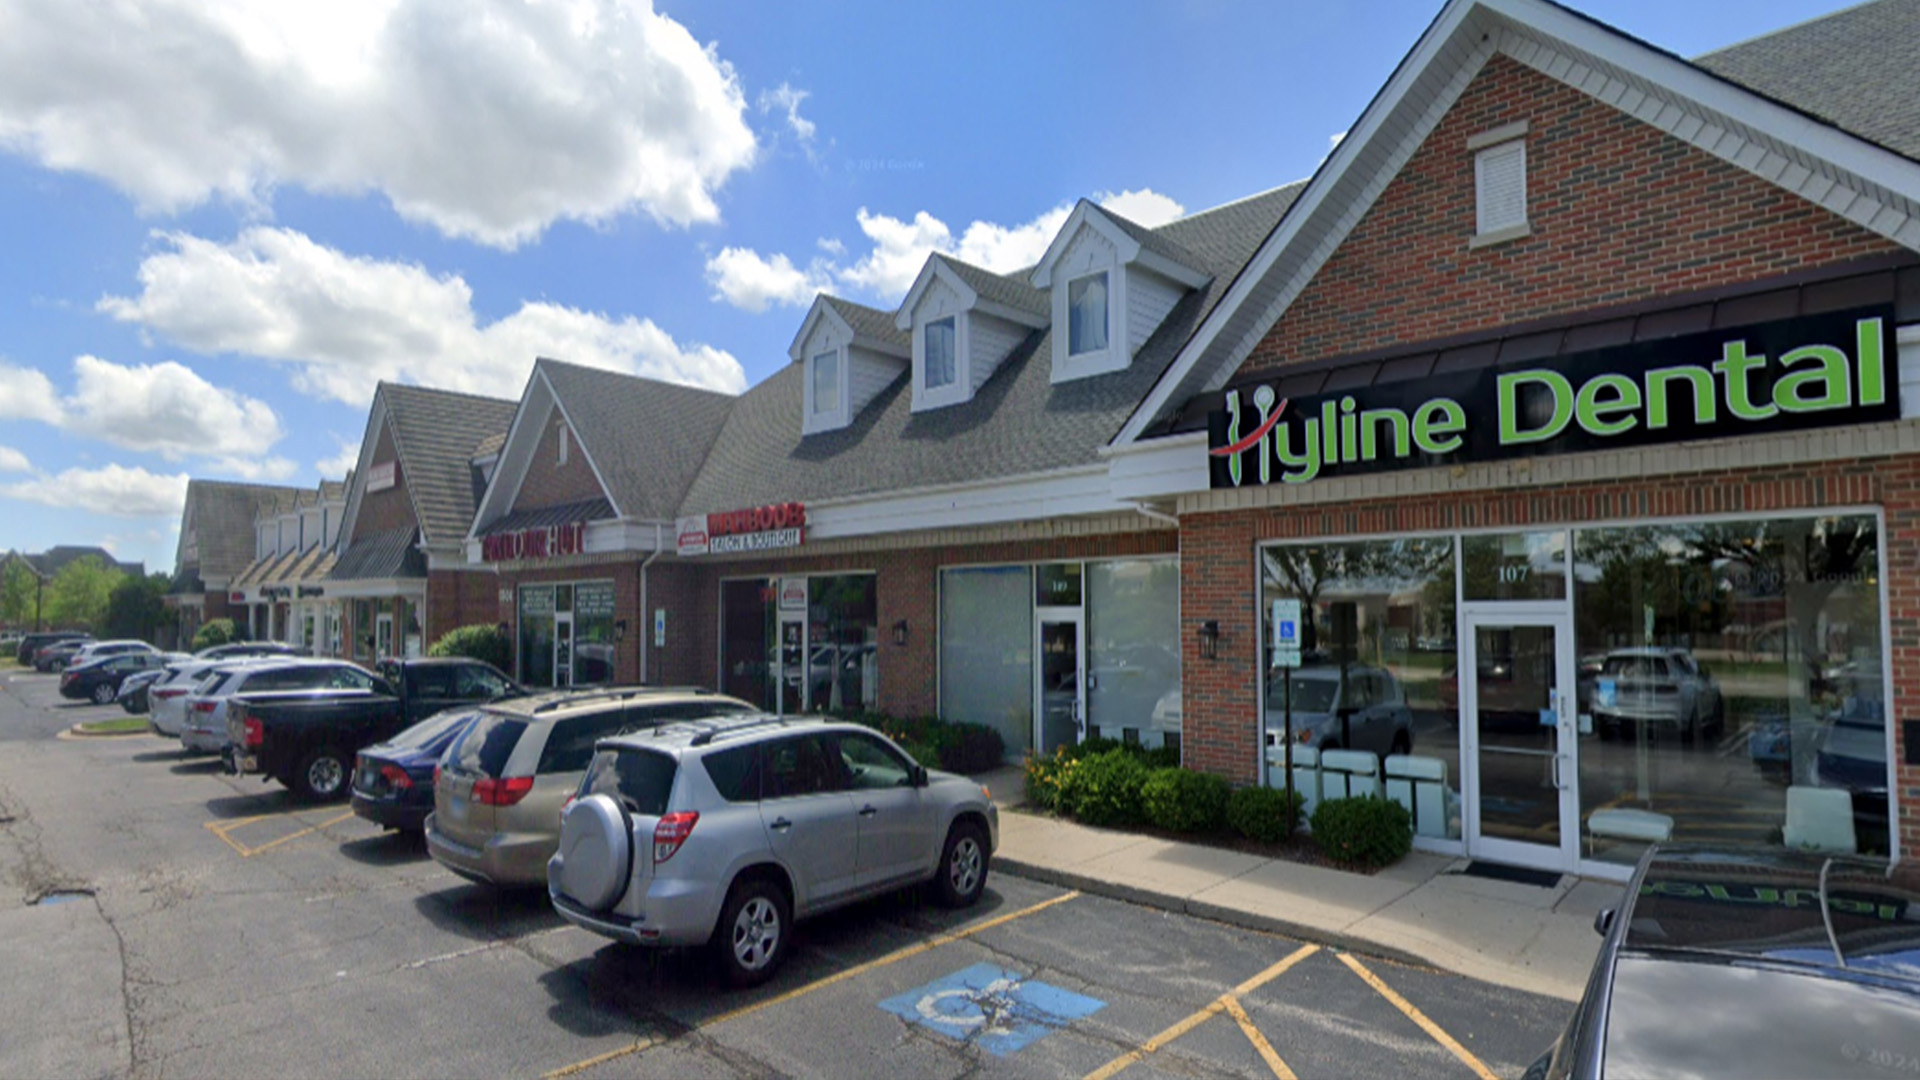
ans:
(435, 432)
(647, 437)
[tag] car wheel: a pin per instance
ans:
(963, 866)
(1690, 728)
(322, 775)
(751, 940)
(103, 694)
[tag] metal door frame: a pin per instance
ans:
(1078, 617)
(1557, 616)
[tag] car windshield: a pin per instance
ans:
(1311, 694)
(439, 729)
(488, 744)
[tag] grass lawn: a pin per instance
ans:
(125, 726)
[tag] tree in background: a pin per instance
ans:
(215, 632)
(78, 595)
(478, 642)
(137, 607)
(17, 585)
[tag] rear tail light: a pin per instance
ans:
(203, 706)
(504, 791)
(671, 832)
(66, 678)
(436, 774)
(396, 777)
(256, 733)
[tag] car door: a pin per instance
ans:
(429, 690)
(809, 818)
(894, 840)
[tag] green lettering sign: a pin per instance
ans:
(1509, 398)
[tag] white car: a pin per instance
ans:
(1656, 688)
(205, 727)
(167, 698)
(100, 650)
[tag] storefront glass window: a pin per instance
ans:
(986, 651)
(1514, 566)
(1721, 666)
(536, 635)
(593, 647)
(363, 630)
(1377, 635)
(1133, 650)
(747, 637)
(1057, 585)
(843, 641)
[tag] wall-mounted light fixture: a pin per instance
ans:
(1210, 640)
(900, 633)
(620, 630)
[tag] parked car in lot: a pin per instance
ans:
(237, 650)
(133, 689)
(98, 680)
(95, 650)
(721, 833)
(57, 655)
(167, 695)
(1659, 688)
(307, 737)
(31, 644)
(205, 727)
(1363, 710)
(498, 794)
(1751, 962)
(393, 780)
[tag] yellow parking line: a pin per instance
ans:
(1453, 1046)
(223, 828)
(309, 831)
(225, 825)
(1258, 1040)
(1213, 1009)
(838, 976)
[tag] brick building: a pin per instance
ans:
(216, 547)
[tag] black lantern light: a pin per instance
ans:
(900, 633)
(1210, 640)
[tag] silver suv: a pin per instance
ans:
(722, 833)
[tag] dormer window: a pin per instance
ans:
(826, 383)
(940, 346)
(1087, 314)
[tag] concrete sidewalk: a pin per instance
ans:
(1421, 910)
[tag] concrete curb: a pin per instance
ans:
(74, 732)
(1246, 920)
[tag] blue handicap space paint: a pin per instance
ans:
(998, 1010)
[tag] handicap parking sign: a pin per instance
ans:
(998, 1010)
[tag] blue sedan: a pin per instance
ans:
(393, 781)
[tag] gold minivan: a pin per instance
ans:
(498, 792)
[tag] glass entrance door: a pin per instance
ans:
(1060, 706)
(563, 649)
(793, 663)
(1521, 805)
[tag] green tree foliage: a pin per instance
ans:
(78, 595)
(137, 608)
(215, 632)
(478, 642)
(17, 583)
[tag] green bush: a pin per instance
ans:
(1104, 789)
(478, 642)
(975, 748)
(1043, 778)
(1363, 832)
(215, 632)
(1184, 801)
(1263, 814)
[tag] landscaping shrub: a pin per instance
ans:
(479, 641)
(1184, 801)
(1363, 832)
(1263, 814)
(1104, 789)
(974, 748)
(937, 744)
(215, 632)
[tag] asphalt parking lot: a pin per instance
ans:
(220, 928)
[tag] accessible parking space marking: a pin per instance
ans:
(1213, 1009)
(1439, 1035)
(224, 830)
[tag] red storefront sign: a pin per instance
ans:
(547, 542)
(762, 528)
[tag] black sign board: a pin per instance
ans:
(1790, 375)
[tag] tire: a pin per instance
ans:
(750, 941)
(323, 775)
(962, 874)
(1402, 743)
(103, 694)
(1690, 729)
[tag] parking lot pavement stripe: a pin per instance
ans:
(1214, 1008)
(308, 831)
(1439, 1035)
(602, 1059)
(1258, 1040)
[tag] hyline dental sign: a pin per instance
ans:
(1790, 375)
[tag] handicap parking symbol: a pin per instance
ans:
(999, 1010)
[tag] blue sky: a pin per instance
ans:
(225, 220)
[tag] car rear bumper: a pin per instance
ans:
(680, 922)
(207, 742)
(512, 860)
(390, 814)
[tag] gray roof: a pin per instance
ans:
(1013, 291)
(564, 514)
(1153, 240)
(647, 437)
(870, 322)
(1017, 423)
(223, 514)
(391, 554)
(50, 562)
(434, 432)
(1857, 69)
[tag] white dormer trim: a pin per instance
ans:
(1138, 296)
(1129, 250)
(864, 365)
(940, 293)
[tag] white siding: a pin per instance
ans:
(868, 373)
(991, 340)
(1149, 298)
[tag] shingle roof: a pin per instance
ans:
(1858, 69)
(564, 514)
(1017, 423)
(490, 445)
(223, 514)
(1011, 292)
(647, 437)
(1154, 240)
(391, 554)
(434, 433)
(869, 322)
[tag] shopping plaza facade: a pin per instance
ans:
(1553, 440)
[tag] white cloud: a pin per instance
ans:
(167, 409)
(120, 490)
(785, 98)
(347, 321)
(27, 394)
(899, 249)
(748, 281)
(254, 470)
(486, 119)
(343, 460)
(12, 460)
(1144, 207)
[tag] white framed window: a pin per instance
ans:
(1499, 184)
(564, 440)
(940, 339)
(826, 382)
(1087, 314)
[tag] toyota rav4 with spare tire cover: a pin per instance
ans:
(722, 833)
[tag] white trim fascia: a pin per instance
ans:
(514, 460)
(1158, 468)
(1060, 493)
(820, 309)
(376, 421)
(604, 537)
(936, 267)
(1516, 27)
(1091, 216)
(1172, 270)
(366, 588)
(598, 477)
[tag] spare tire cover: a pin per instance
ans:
(596, 852)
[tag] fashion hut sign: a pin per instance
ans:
(764, 528)
(544, 542)
(1790, 375)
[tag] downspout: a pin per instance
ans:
(642, 628)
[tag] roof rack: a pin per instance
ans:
(567, 698)
(705, 735)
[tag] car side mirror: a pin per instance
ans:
(920, 777)
(1603, 921)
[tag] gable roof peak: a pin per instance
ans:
(1007, 296)
(1136, 243)
(871, 327)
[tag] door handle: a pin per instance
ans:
(780, 824)
(1559, 782)
(869, 810)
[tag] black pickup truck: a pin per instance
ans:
(306, 739)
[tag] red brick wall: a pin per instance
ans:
(1220, 697)
(385, 511)
(457, 598)
(549, 483)
(1620, 211)
(625, 576)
